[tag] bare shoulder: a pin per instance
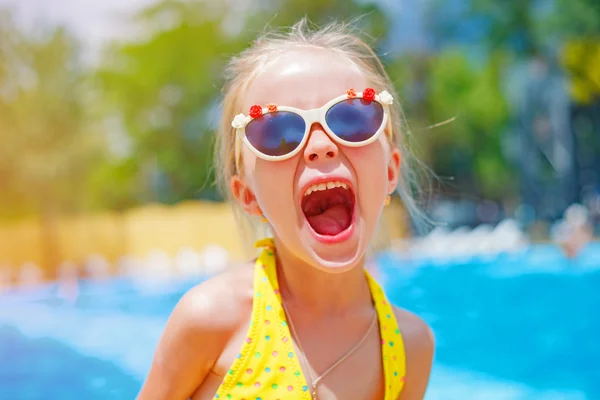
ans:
(218, 303)
(419, 344)
(196, 333)
(415, 331)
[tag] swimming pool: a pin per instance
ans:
(523, 326)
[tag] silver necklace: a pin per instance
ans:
(316, 381)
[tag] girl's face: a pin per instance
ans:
(329, 229)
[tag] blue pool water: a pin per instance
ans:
(524, 326)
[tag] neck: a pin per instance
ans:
(318, 292)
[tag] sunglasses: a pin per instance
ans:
(276, 133)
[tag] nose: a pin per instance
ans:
(319, 146)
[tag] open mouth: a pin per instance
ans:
(329, 207)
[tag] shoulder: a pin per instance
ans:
(415, 332)
(216, 306)
(419, 345)
(197, 331)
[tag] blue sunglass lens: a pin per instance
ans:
(276, 133)
(355, 120)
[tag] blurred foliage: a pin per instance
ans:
(476, 44)
(493, 24)
(164, 92)
(532, 28)
(473, 97)
(581, 58)
(458, 116)
(45, 123)
(579, 21)
(575, 18)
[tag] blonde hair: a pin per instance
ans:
(240, 72)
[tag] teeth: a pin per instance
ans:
(325, 186)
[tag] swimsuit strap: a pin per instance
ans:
(392, 344)
(267, 366)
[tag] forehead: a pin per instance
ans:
(304, 78)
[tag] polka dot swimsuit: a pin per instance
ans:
(267, 367)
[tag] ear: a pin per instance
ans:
(393, 169)
(244, 196)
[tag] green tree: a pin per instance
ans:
(451, 88)
(48, 143)
(164, 91)
(44, 120)
(463, 78)
(575, 18)
(569, 29)
(472, 95)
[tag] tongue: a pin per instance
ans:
(332, 221)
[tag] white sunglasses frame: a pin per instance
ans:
(310, 117)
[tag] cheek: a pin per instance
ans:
(370, 161)
(273, 184)
(370, 166)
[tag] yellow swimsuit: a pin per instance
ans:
(267, 367)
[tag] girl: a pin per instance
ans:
(310, 145)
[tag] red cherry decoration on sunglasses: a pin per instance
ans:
(351, 93)
(256, 111)
(369, 94)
